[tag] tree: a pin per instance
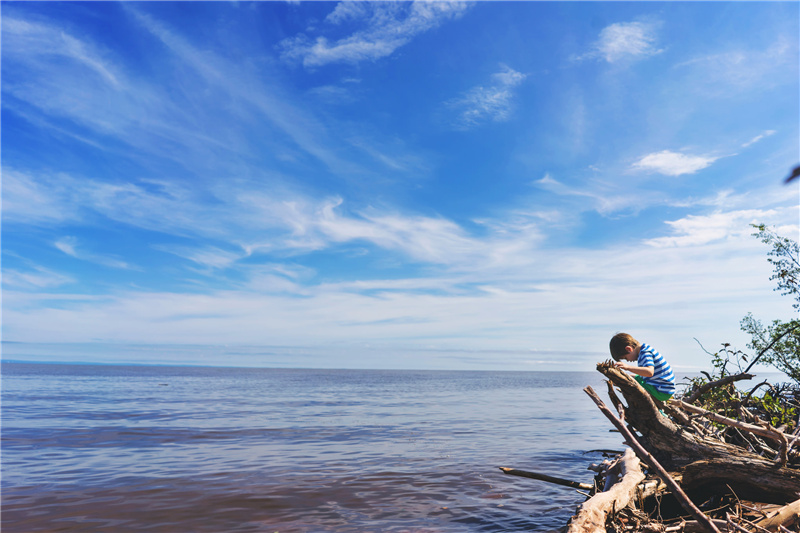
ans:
(778, 344)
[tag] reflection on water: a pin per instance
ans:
(99, 448)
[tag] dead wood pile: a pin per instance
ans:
(711, 460)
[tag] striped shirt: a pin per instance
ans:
(663, 379)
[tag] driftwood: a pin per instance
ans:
(592, 514)
(545, 477)
(767, 432)
(693, 526)
(706, 460)
(718, 383)
(645, 456)
(787, 516)
(733, 471)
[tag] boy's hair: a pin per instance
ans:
(618, 344)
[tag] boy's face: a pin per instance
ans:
(631, 353)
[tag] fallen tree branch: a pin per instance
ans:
(545, 477)
(718, 383)
(681, 496)
(592, 514)
(769, 433)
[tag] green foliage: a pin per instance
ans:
(778, 344)
(778, 410)
(778, 405)
(785, 259)
(723, 400)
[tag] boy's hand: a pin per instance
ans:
(621, 364)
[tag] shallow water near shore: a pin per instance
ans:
(127, 448)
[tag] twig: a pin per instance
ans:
(749, 523)
(736, 526)
(754, 389)
(681, 496)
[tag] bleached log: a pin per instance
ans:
(786, 516)
(592, 514)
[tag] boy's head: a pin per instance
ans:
(619, 344)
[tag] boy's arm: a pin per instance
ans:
(644, 371)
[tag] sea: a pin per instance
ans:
(198, 449)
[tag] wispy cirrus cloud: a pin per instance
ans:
(385, 27)
(38, 39)
(624, 41)
(671, 163)
(34, 278)
(490, 103)
(70, 246)
(758, 138)
(605, 198)
(250, 219)
(745, 67)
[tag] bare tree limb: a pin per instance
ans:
(545, 477)
(718, 383)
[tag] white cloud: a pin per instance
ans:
(669, 295)
(745, 68)
(673, 163)
(606, 198)
(252, 218)
(758, 138)
(34, 201)
(625, 40)
(210, 258)
(69, 245)
(696, 230)
(35, 39)
(36, 277)
(490, 103)
(386, 27)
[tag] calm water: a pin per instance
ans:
(113, 448)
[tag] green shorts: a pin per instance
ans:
(655, 393)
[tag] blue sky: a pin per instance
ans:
(490, 185)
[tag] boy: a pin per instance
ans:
(652, 371)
